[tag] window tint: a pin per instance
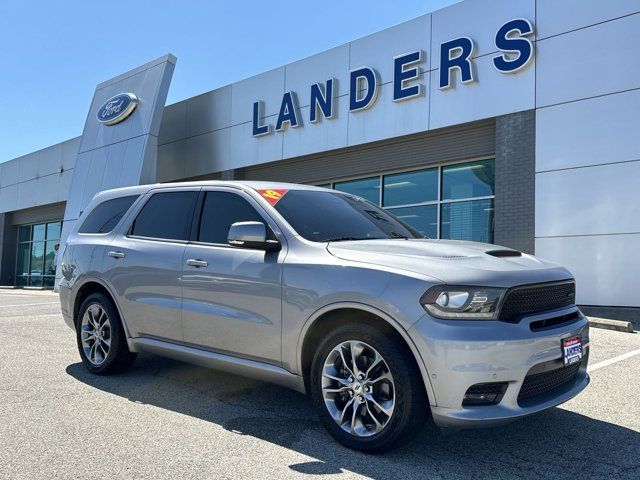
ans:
(220, 211)
(106, 216)
(323, 216)
(166, 215)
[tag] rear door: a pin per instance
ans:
(232, 300)
(144, 263)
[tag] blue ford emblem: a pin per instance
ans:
(117, 108)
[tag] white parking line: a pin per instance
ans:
(611, 361)
(29, 304)
(30, 317)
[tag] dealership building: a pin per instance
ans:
(512, 122)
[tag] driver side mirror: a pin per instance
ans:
(251, 235)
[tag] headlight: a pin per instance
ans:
(444, 301)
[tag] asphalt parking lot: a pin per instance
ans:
(165, 419)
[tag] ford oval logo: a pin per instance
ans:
(117, 108)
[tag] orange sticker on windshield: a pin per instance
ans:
(273, 195)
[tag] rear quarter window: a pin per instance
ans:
(105, 217)
(166, 216)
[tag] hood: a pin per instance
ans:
(453, 262)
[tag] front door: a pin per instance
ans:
(231, 295)
(144, 265)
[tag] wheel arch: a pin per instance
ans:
(89, 287)
(331, 315)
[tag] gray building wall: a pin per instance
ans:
(38, 178)
(472, 140)
(514, 222)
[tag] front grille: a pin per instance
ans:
(538, 383)
(536, 298)
(555, 322)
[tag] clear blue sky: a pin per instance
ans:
(55, 53)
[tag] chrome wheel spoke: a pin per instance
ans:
(87, 332)
(354, 417)
(374, 418)
(94, 312)
(334, 376)
(354, 356)
(385, 376)
(93, 352)
(363, 403)
(103, 350)
(387, 410)
(376, 361)
(337, 390)
(95, 334)
(342, 420)
(344, 361)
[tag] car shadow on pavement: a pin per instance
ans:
(553, 444)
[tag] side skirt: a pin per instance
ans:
(219, 361)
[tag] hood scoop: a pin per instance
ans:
(504, 253)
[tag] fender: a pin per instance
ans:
(379, 313)
(108, 288)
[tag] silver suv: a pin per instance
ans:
(328, 294)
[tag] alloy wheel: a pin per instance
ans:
(96, 334)
(358, 388)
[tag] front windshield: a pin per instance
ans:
(325, 216)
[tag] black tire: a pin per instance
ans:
(118, 357)
(411, 404)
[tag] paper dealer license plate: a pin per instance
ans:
(571, 350)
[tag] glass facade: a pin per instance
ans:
(35, 266)
(450, 201)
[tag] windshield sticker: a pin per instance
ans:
(273, 195)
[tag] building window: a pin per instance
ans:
(368, 188)
(36, 265)
(450, 201)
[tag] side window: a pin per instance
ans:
(106, 216)
(166, 215)
(219, 211)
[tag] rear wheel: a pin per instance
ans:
(101, 339)
(367, 389)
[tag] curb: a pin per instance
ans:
(617, 325)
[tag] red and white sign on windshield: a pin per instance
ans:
(273, 195)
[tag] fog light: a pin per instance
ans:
(485, 393)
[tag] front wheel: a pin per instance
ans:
(367, 389)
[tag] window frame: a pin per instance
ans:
(30, 243)
(438, 202)
(145, 199)
(115, 227)
(197, 218)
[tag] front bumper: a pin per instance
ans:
(459, 354)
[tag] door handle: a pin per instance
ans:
(116, 254)
(197, 263)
